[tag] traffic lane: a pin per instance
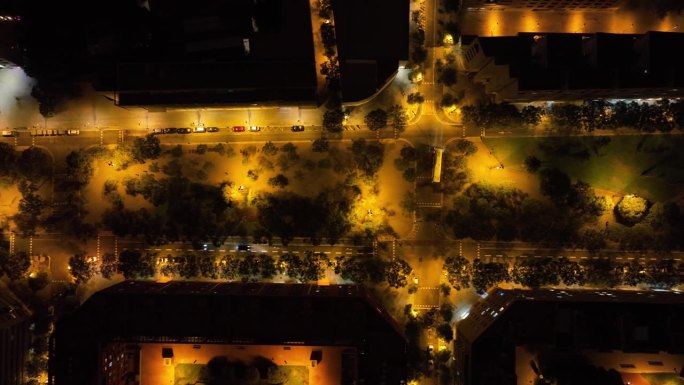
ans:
(178, 248)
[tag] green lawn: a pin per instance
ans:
(651, 166)
(662, 379)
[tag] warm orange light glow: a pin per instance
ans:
(493, 22)
(529, 23)
(576, 22)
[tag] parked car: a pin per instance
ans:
(212, 129)
(200, 129)
(170, 130)
(238, 128)
(7, 133)
(297, 128)
(73, 132)
(157, 131)
(254, 128)
(184, 131)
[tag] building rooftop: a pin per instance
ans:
(372, 39)
(227, 313)
(566, 61)
(216, 53)
(565, 321)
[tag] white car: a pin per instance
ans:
(7, 133)
(73, 132)
(254, 128)
(156, 131)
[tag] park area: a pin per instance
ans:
(646, 165)
(250, 190)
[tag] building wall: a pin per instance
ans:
(15, 338)
(544, 5)
(14, 343)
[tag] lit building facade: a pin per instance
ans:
(542, 5)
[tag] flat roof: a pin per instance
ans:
(220, 53)
(372, 37)
(228, 313)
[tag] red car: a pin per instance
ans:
(238, 128)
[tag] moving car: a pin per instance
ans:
(297, 128)
(184, 131)
(170, 130)
(212, 129)
(73, 132)
(243, 247)
(238, 128)
(254, 128)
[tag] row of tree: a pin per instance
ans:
(664, 115)
(311, 267)
(535, 272)
(485, 212)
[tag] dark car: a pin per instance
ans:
(297, 128)
(171, 130)
(212, 129)
(184, 130)
(243, 247)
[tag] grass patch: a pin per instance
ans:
(651, 166)
(662, 379)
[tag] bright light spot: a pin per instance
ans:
(448, 39)
(464, 315)
(16, 88)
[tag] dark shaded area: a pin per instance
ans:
(556, 66)
(372, 40)
(172, 53)
(573, 369)
(561, 323)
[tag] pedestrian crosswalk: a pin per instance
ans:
(428, 107)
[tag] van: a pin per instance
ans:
(7, 133)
